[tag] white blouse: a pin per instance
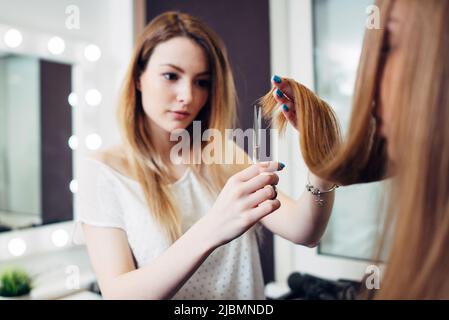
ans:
(106, 198)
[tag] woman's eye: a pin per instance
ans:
(203, 83)
(170, 76)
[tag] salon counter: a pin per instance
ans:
(61, 274)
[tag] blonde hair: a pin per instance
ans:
(418, 212)
(218, 113)
(319, 139)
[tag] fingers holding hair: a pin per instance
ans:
(282, 93)
(255, 169)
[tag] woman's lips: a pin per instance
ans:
(179, 115)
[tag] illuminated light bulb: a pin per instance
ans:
(73, 142)
(93, 97)
(73, 186)
(17, 247)
(13, 38)
(92, 52)
(93, 141)
(73, 99)
(60, 238)
(56, 45)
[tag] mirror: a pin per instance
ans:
(35, 125)
(338, 35)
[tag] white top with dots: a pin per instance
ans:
(107, 198)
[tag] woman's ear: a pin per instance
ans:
(138, 85)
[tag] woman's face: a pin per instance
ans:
(389, 81)
(175, 84)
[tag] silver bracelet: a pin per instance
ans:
(317, 192)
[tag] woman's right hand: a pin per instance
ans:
(247, 197)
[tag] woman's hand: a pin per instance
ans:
(247, 197)
(283, 95)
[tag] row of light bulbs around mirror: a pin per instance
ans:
(13, 38)
(93, 98)
(93, 141)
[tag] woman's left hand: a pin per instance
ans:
(283, 94)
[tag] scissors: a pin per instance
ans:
(257, 127)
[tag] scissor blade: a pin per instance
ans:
(257, 132)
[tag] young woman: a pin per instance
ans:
(399, 129)
(157, 229)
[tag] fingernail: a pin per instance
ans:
(284, 106)
(277, 79)
(279, 93)
(281, 166)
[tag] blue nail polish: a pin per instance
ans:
(284, 106)
(281, 166)
(279, 93)
(277, 79)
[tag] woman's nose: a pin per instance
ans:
(185, 94)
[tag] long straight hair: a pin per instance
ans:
(418, 209)
(218, 113)
(419, 261)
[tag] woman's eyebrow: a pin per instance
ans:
(204, 73)
(182, 70)
(172, 66)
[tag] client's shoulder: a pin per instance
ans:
(114, 157)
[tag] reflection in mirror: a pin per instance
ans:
(19, 141)
(35, 124)
(338, 34)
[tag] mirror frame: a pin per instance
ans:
(43, 238)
